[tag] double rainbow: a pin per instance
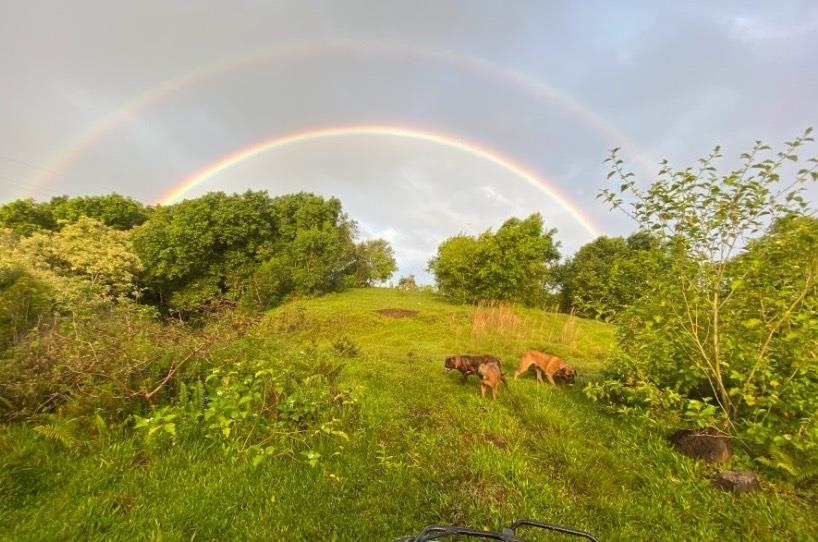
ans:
(71, 152)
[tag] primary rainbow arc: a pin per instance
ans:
(73, 149)
(278, 142)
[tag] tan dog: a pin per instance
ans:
(468, 365)
(490, 376)
(546, 363)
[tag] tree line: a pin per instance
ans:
(71, 254)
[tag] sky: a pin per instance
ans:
(427, 119)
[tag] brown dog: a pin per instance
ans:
(546, 363)
(468, 365)
(490, 376)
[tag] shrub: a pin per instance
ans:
(732, 324)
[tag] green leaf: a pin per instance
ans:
(753, 323)
(257, 459)
(736, 284)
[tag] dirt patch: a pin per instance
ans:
(397, 313)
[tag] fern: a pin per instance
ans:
(61, 432)
(801, 467)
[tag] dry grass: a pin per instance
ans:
(568, 335)
(498, 326)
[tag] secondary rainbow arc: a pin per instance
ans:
(72, 150)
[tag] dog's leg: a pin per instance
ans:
(551, 379)
(539, 374)
(520, 370)
(482, 391)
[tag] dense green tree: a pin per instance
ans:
(112, 210)
(82, 269)
(608, 274)
(374, 263)
(25, 216)
(516, 263)
(248, 247)
(200, 248)
(316, 239)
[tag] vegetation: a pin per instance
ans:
(607, 275)
(27, 216)
(247, 249)
(728, 334)
(516, 263)
(325, 419)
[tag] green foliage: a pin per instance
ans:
(67, 273)
(248, 247)
(731, 325)
(257, 410)
(316, 237)
(374, 263)
(25, 302)
(113, 210)
(58, 429)
(201, 248)
(607, 275)
(25, 216)
(514, 264)
(118, 361)
(407, 284)
(107, 265)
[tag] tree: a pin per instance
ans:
(316, 242)
(374, 262)
(25, 216)
(735, 308)
(247, 247)
(112, 210)
(514, 264)
(106, 268)
(608, 274)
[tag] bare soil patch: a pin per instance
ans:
(397, 313)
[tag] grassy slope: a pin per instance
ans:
(423, 449)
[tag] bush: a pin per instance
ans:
(731, 325)
(257, 409)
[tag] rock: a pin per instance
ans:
(743, 481)
(709, 445)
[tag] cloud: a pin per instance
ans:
(754, 29)
(661, 80)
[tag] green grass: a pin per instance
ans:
(422, 449)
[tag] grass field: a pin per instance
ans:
(419, 448)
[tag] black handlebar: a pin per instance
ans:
(434, 532)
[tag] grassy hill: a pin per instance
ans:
(409, 445)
